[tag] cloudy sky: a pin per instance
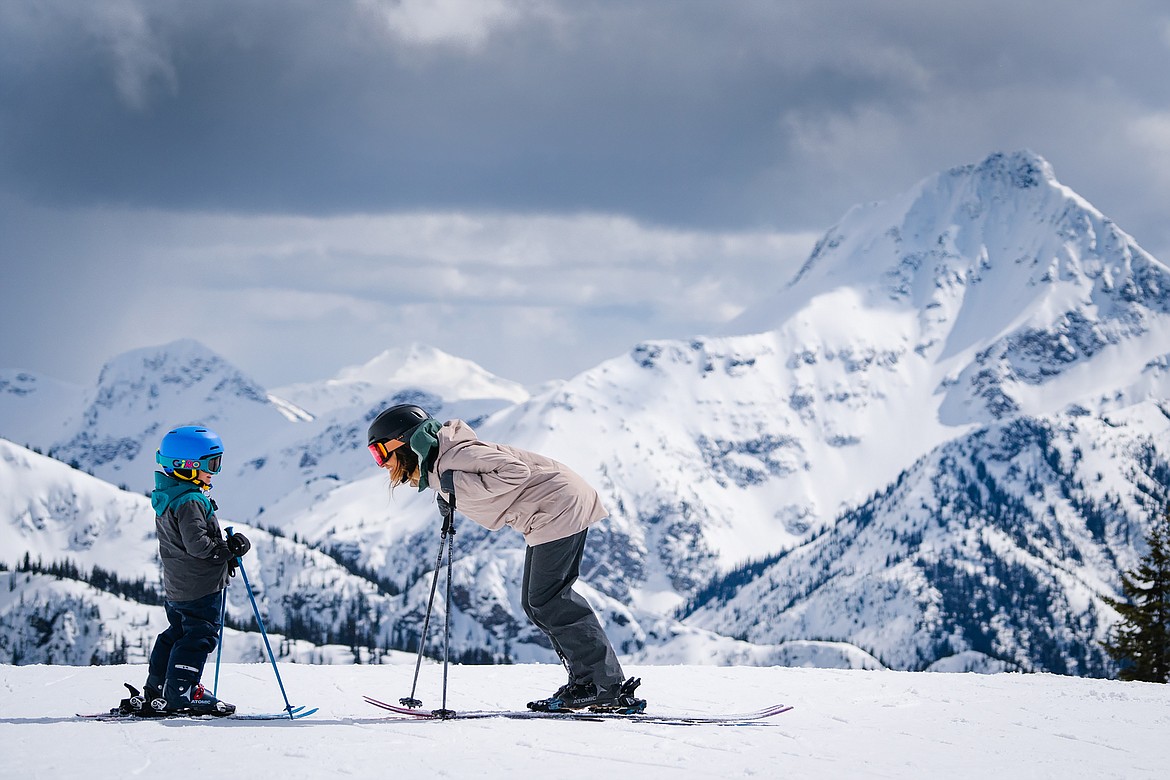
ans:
(536, 186)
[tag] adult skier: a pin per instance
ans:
(197, 563)
(552, 506)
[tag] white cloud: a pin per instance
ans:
(582, 260)
(297, 298)
(1152, 132)
(1150, 138)
(278, 306)
(463, 23)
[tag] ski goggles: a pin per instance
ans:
(382, 450)
(209, 463)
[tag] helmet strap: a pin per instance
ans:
(190, 475)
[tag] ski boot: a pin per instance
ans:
(581, 696)
(190, 698)
(556, 701)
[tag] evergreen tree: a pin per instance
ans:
(1141, 641)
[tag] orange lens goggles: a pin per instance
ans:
(382, 450)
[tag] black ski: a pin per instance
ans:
(741, 719)
(135, 707)
(117, 715)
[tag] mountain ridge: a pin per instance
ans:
(990, 303)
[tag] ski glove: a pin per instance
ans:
(447, 482)
(239, 545)
(223, 554)
(447, 510)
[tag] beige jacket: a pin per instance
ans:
(497, 485)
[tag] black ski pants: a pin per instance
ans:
(181, 651)
(550, 569)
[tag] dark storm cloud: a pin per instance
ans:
(681, 112)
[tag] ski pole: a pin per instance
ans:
(260, 622)
(444, 712)
(219, 644)
(410, 701)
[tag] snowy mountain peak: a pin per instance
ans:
(428, 368)
(1021, 170)
(397, 364)
(1007, 211)
(175, 367)
(995, 273)
(142, 393)
(416, 367)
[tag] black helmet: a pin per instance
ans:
(397, 422)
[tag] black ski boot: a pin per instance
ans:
(581, 696)
(186, 698)
(554, 702)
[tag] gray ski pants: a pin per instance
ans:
(550, 569)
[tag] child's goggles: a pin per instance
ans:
(209, 463)
(382, 450)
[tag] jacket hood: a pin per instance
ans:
(425, 443)
(168, 489)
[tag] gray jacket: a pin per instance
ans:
(190, 543)
(496, 485)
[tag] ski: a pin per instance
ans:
(740, 719)
(117, 715)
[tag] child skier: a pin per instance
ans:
(552, 506)
(197, 562)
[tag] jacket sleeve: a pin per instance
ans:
(193, 528)
(487, 481)
(482, 470)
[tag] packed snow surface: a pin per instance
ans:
(846, 724)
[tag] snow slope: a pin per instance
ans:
(846, 724)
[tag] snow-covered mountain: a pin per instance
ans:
(274, 450)
(996, 547)
(414, 367)
(51, 512)
(1019, 295)
(913, 322)
(934, 447)
(85, 581)
(273, 444)
(142, 394)
(988, 295)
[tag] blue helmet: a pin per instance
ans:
(192, 448)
